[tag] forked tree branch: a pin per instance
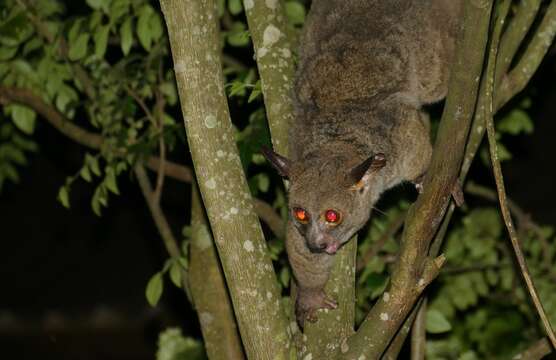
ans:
(497, 169)
(515, 81)
(195, 43)
(268, 29)
(415, 269)
(94, 141)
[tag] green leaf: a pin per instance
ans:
(99, 199)
(175, 273)
(263, 182)
(78, 48)
(126, 34)
(157, 29)
(285, 277)
(237, 87)
(238, 36)
(63, 196)
(101, 41)
(221, 7)
(32, 45)
(144, 31)
(255, 92)
(154, 289)
(24, 118)
(85, 173)
(7, 53)
(170, 91)
(96, 4)
(16, 29)
(516, 122)
(295, 12)
(95, 20)
(110, 180)
(235, 7)
(183, 262)
(92, 162)
(437, 322)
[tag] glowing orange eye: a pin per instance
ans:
(301, 215)
(332, 216)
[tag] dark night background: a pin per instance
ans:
(71, 281)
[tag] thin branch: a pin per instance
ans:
(271, 218)
(94, 141)
(170, 242)
(142, 104)
(514, 35)
(520, 75)
(396, 345)
(159, 113)
(414, 268)
(419, 333)
(491, 132)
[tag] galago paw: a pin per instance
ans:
(308, 302)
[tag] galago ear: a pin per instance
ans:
(279, 162)
(360, 173)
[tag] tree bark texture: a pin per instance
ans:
(208, 289)
(194, 39)
(414, 270)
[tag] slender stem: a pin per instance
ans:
(170, 242)
(520, 75)
(491, 132)
(419, 333)
(514, 35)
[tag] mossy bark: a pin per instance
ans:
(194, 39)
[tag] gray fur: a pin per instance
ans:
(366, 68)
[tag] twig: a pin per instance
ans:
(396, 345)
(520, 75)
(514, 35)
(419, 333)
(170, 242)
(491, 133)
(142, 104)
(94, 141)
(159, 112)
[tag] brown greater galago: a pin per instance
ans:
(366, 68)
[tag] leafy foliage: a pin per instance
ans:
(108, 70)
(172, 345)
